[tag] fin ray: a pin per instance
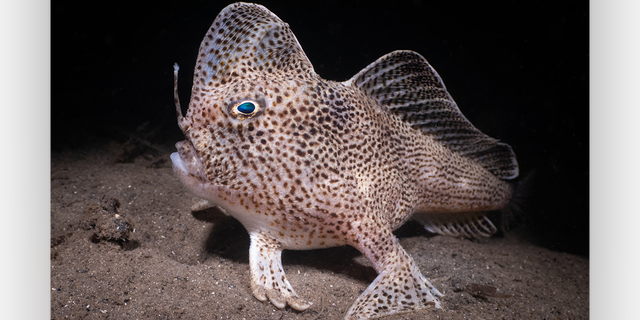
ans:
(467, 224)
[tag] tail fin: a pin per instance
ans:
(514, 214)
(478, 224)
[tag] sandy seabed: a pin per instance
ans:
(125, 244)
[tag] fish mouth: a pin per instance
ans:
(186, 163)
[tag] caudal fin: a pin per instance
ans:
(515, 213)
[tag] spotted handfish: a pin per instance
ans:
(305, 163)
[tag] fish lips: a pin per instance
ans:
(186, 162)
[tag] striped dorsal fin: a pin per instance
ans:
(405, 84)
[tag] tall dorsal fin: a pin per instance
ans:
(405, 83)
(248, 39)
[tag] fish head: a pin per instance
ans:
(251, 79)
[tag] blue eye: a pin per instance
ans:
(247, 107)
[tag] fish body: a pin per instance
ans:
(305, 163)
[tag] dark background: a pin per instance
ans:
(518, 71)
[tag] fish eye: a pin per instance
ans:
(245, 109)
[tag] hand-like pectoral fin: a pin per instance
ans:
(399, 287)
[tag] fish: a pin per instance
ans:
(306, 163)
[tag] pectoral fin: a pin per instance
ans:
(399, 287)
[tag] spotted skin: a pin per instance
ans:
(304, 163)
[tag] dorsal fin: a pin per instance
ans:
(247, 39)
(405, 83)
